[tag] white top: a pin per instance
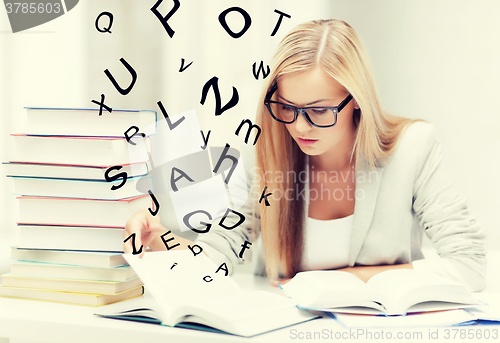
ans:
(326, 243)
(408, 195)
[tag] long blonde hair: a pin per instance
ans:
(337, 49)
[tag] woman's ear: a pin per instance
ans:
(356, 106)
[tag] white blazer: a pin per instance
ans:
(409, 195)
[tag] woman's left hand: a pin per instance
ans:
(366, 272)
(275, 283)
(362, 272)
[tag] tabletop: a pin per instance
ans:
(38, 321)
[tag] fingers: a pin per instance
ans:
(127, 246)
(132, 234)
(278, 282)
(145, 227)
(153, 223)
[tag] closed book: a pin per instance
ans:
(72, 150)
(62, 271)
(80, 212)
(60, 237)
(88, 122)
(86, 189)
(87, 299)
(70, 285)
(63, 171)
(82, 258)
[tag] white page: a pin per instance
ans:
(250, 313)
(175, 278)
(185, 139)
(406, 287)
(328, 288)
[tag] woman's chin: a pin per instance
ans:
(309, 150)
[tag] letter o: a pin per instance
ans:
(246, 16)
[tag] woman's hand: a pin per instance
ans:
(145, 227)
(278, 282)
(148, 231)
(362, 272)
(366, 272)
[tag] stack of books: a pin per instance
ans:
(72, 210)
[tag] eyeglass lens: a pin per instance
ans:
(319, 116)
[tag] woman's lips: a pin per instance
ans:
(307, 142)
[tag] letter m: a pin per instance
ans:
(250, 127)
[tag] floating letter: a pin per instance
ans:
(164, 20)
(134, 252)
(207, 225)
(250, 127)
(113, 81)
(214, 83)
(122, 175)
(165, 241)
(241, 220)
(282, 14)
(246, 16)
(173, 181)
(104, 29)
(101, 105)
(261, 68)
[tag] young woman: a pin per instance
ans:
(374, 182)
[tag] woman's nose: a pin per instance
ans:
(301, 124)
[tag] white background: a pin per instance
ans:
(432, 59)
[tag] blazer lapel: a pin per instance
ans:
(364, 206)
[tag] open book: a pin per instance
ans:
(393, 292)
(188, 291)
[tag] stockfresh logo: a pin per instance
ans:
(25, 15)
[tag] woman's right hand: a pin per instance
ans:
(145, 227)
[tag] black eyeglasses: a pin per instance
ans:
(316, 116)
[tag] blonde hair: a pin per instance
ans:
(336, 48)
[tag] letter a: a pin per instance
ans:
(173, 181)
(223, 267)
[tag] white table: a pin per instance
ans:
(37, 321)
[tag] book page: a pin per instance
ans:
(248, 313)
(328, 288)
(178, 278)
(406, 287)
(144, 306)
